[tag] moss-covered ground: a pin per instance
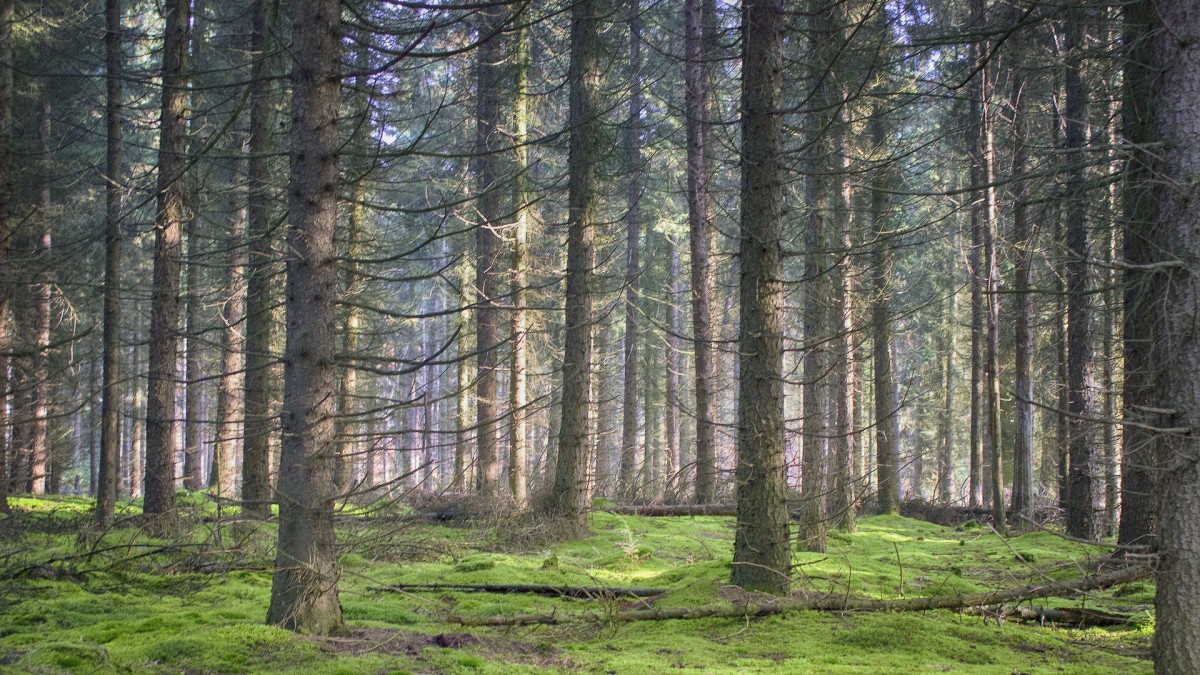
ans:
(73, 600)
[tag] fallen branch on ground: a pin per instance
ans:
(767, 606)
(536, 589)
(1068, 616)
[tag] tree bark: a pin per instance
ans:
(699, 46)
(7, 194)
(568, 499)
(1174, 58)
(159, 497)
(304, 590)
(633, 216)
(256, 402)
(761, 552)
(490, 141)
(945, 481)
(1081, 512)
(518, 460)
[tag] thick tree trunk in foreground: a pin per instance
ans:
(761, 551)
(568, 498)
(164, 299)
(1174, 55)
(304, 590)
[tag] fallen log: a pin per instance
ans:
(767, 606)
(1068, 616)
(587, 592)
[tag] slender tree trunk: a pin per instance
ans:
(490, 140)
(887, 421)
(304, 593)
(1174, 58)
(699, 39)
(1081, 513)
(761, 554)
(193, 384)
(7, 194)
(633, 216)
(992, 448)
(41, 462)
(1024, 480)
(518, 460)
(230, 385)
(256, 401)
(675, 486)
(168, 229)
(945, 482)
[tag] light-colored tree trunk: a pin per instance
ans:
(633, 216)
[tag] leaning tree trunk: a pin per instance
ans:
(761, 554)
(1174, 57)
(304, 590)
(568, 498)
(164, 299)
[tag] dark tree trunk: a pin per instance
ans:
(490, 140)
(761, 554)
(1143, 290)
(699, 36)
(1081, 505)
(1023, 476)
(633, 216)
(159, 499)
(256, 402)
(304, 590)
(1174, 57)
(7, 193)
(887, 420)
(568, 498)
(192, 380)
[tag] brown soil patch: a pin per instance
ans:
(362, 641)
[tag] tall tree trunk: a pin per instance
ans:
(168, 229)
(887, 414)
(304, 590)
(1174, 58)
(1024, 480)
(1143, 290)
(1081, 514)
(992, 448)
(761, 554)
(633, 216)
(569, 495)
(699, 41)
(231, 313)
(518, 460)
(945, 481)
(193, 381)
(7, 194)
(675, 486)
(490, 140)
(42, 464)
(256, 402)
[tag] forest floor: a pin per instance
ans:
(73, 600)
